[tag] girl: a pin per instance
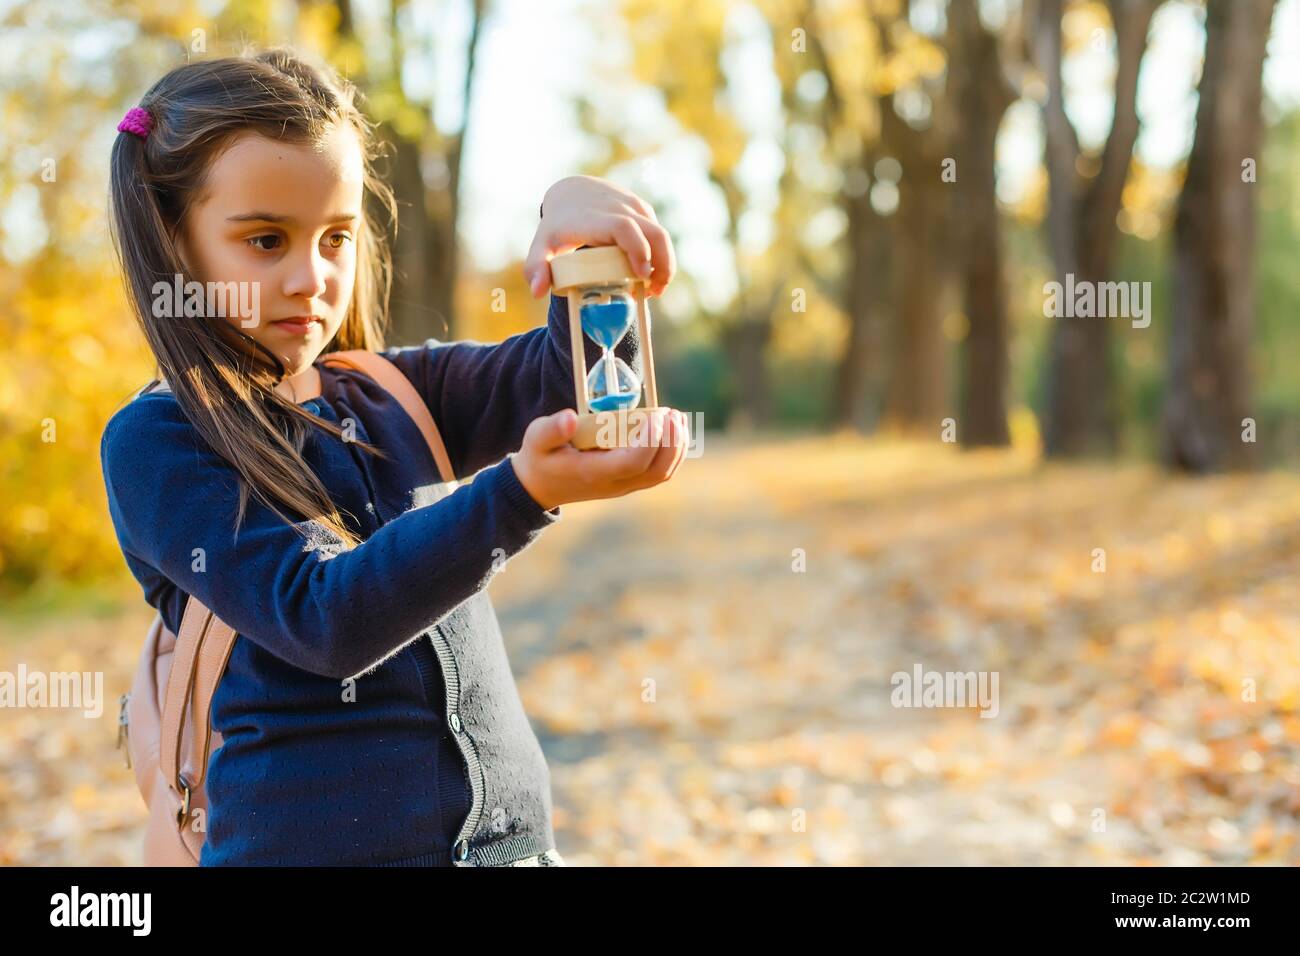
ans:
(294, 500)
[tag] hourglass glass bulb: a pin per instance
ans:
(606, 391)
(606, 315)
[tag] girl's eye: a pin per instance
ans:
(256, 241)
(270, 241)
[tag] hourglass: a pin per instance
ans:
(605, 295)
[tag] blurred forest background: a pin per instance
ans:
(868, 198)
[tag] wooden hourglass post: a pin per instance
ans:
(571, 273)
(647, 355)
(578, 346)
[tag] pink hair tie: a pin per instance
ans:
(136, 121)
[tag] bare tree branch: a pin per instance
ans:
(1131, 19)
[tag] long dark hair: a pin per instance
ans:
(224, 379)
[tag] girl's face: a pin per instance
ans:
(286, 217)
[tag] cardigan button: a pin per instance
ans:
(454, 720)
(462, 850)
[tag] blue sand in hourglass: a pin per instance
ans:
(606, 403)
(611, 383)
(605, 322)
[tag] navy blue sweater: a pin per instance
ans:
(427, 758)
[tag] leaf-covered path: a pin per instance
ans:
(701, 701)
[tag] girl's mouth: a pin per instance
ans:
(298, 325)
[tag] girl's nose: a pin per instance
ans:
(306, 276)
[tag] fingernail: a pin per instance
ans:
(643, 269)
(534, 284)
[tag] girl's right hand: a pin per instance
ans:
(555, 473)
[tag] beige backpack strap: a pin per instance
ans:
(395, 381)
(199, 659)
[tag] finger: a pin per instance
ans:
(537, 269)
(629, 232)
(537, 264)
(674, 443)
(657, 471)
(641, 207)
(668, 430)
(606, 466)
(614, 465)
(642, 448)
(653, 430)
(683, 440)
(658, 429)
(665, 440)
(662, 256)
(676, 439)
(551, 431)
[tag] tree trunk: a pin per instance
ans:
(1208, 389)
(982, 97)
(746, 344)
(414, 310)
(866, 294)
(917, 394)
(426, 252)
(1081, 226)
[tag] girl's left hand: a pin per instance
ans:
(586, 211)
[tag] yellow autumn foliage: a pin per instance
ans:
(73, 354)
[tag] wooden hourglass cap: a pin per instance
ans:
(572, 272)
(591, 266)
